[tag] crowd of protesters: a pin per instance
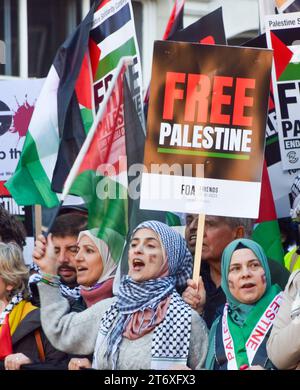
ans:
(243, 313)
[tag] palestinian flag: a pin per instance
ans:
(101, 176)
(286, 54)
(267, 232)
(73, 91)
(31, 182)
(110, 36)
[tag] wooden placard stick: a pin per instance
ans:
(198, 250)
(37, 219)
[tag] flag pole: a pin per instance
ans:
(74, 170)
(37, 219)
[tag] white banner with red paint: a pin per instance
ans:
(17, 101)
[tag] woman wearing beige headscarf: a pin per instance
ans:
(96, 269)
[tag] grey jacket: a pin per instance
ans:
(77, 332)
(283, 346)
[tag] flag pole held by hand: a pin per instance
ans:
(198, 250)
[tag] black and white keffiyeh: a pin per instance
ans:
(9, 307)
(65, 291)
(69, 292)
(171, 337)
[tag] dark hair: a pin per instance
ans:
(234, 222)
(241, 246)
(11, 230)
(70, 224)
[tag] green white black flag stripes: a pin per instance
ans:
(77, 84)
(31, 182)
(99, 174)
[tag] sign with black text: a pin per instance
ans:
(206, 129)
(283, 37)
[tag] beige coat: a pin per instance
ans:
(283, 346)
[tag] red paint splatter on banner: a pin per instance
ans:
(22, 118)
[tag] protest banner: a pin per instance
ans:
(206, 129)
(272, 7)
(17, 100)
(280, 180)
(282, 36)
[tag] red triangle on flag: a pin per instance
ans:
(282, 55)
(5, 340)
(82, 86)
(209, 40)
(267, 211)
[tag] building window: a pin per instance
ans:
(49, 24)
(9, 35)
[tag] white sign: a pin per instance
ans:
(17, 100)
(283, 32)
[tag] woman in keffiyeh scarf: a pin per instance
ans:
(148, 325)
(148, 308)
(237, 339)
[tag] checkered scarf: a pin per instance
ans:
(12, 303)
(133, 297)
(65, 291)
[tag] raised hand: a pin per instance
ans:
(195, 295)
(44, 255)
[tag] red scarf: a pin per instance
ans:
(95, 295)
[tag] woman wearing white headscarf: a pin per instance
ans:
(148, 325)
(95, 267)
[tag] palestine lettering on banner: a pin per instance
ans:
(283, 37)
(206, 129)
(281, 181)
(272, 7)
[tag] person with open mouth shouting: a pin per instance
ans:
(147, 325)
(237, 339)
